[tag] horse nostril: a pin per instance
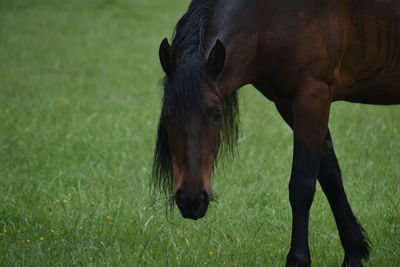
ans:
(204, 197)
(179, 197)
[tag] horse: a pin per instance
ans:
(302, 55)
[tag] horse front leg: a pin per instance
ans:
(352, 236)
(310, 113)
(301, 194)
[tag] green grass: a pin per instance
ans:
(79, 102)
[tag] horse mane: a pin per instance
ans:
(182, 96)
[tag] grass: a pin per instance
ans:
(79, 102)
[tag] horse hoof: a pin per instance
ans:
(355, 257)
(297, 264)
(352, 262)
(298, 260)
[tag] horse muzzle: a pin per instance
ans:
(192, 206)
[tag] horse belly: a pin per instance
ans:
(385, 91)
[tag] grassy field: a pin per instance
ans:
(79, 102)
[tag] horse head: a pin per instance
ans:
(189, 132)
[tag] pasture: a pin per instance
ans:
(79, 104)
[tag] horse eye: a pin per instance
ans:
(166, 116)
(217, 116)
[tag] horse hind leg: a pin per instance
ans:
(352, 236)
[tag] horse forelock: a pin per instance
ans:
(182, 103)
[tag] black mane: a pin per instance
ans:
(182, 96)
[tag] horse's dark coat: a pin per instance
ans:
(302, 55)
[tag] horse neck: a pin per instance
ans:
(240, 40)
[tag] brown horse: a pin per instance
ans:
(302, 55)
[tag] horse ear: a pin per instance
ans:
(166, 56)
(216, 59)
